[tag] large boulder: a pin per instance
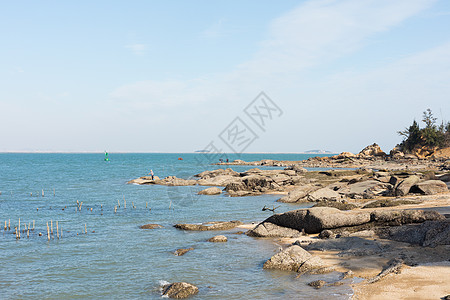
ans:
(371, 150)
(430, 187)
(404, 186)
(209, 226)
(179, 290)
(295, 258)
(324, 194)
(267, 229)
(428, 234)
(316, 219)
(210, 191)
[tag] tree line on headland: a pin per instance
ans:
(430, 137)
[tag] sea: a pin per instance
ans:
(100, 252)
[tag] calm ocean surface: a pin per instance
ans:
(116, 259)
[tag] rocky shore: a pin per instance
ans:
(386, 214)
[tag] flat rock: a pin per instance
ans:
(150, 226)
(179, 290)
(209, 226)
(317, 284)
(210, 191)
(218, 239)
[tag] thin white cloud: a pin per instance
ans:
(215, 30)
(313, 33)
(137, 49)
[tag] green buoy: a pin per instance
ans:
(106, 156)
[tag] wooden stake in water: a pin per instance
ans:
(19, 227)
(51, 226)
(42, 192)
(28, 233)
(48, 232)
(33, 224)
(9, 224)
(57, 230)
(118, 203)
(146, 204)
(5, 225)
(54, 192)
(17, 237)
(125, 203)
(115, 208)
(85, 230)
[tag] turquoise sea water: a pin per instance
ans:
(116, 259)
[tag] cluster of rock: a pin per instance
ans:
(371, 156)
(367, 185)
(330, 221)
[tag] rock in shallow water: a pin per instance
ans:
(210, 191)
(209, 226)
(150, 226)
(295, 258)
(179, 290)
(218, 239)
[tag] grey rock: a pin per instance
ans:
(299, 194)
(404, 186)
(428, 234)
(430, 187)
(295, 258)
(267, 229)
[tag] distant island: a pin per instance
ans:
(318, 152)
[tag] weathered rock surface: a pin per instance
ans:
(299, 194)
(295, 258)
(179, 290)
(428, 234)
(404, 186)
(150, 226)
(430, 187)
(209, 226)
(218, 239)
(317, 219)
(323, 194)
(372, 150)
(267, 229)
(211, 191)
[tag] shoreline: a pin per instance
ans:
(410, 188)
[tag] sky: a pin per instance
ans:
(179, 76)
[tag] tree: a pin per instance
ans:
(431, 136)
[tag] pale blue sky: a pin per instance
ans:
(169, 76)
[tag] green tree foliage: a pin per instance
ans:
(430, 136)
